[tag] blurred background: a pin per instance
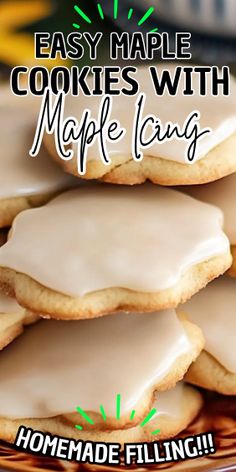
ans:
(211, 22)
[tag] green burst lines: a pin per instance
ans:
(143, 423)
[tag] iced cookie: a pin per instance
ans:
(116, 361)
(13, 319)
(213, 310)
(25, 182)
(176, 409)
(164, 163)
(222, 194)
(100, 249)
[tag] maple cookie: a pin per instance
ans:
(164, 162)
(213, 310)
(25, 182)
(13, 318)
(222, 194)
(130, 357)
(176, 409)
(104, 249)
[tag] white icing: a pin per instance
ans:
(213, 309)
(217, 113)
(170, 403)
(9, 305)
(96, 237)
(62, 365)
(22, 175)
(221, 193)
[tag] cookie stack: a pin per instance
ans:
(109, 268)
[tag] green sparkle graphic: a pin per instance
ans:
(100, 11)
(130, 13)
(118, 402)
(78, 427)
(148, 417)
(132, 415)
(76, 26)
(82, 14)
(116, 4)
(89, 420)
(146, 16)
(103, 413)
(84, 415)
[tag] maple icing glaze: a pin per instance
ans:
(61, 365)
(166, 108)
(170, 403)
(221, 193)
(213, 310)
(9, 305)
(22, 175)
(96, 237)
